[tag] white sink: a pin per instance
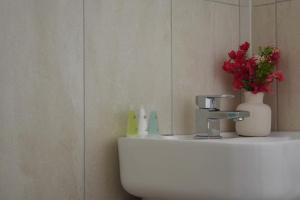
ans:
(240, 168)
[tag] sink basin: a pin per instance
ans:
(233, 168)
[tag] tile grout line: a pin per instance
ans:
(84, 100)
(240, 98)
(276, 83)
(171, 69)
(239, 21)
(264, 4)
(224, 3)
(272, 3)
(251, 25)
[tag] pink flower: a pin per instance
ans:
(270, 78)
(275, 57)
(278, 75)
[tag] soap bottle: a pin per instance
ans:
(132, 126)
(153, 124)
(142, 128)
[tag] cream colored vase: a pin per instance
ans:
(259, 122)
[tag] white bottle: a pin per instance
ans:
(142, 128)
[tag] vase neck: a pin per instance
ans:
(254, 98)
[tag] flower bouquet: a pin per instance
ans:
(255, 76)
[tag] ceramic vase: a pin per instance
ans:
(259, 122)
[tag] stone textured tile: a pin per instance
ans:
(41, 110)
(128, 62)
(288, 41)
(203, 33)
(264, 34)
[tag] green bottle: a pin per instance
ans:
(153, 124)
(132, 125)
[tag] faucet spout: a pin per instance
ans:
(235, 115)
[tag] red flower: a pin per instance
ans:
(240, 54)
(248, 73)
(256, 87)
(245, 46)
(232, 54)
(251, 66)
(265, 88)
(238, 84)
(228, 66)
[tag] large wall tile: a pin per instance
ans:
(263, 25)
(245, 21)
(288, 41)
(264, 34)
(128, 62)
(203, 33)
(41, 109)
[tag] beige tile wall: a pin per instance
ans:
(288, 31)
(263, 2)
(203, 33)
(129, 49)
(245, 20)
(276, 23)
(264, 34)
(41, 109)
(128, 62)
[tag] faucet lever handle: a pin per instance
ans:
(211, 101)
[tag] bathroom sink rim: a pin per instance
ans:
(230, 138)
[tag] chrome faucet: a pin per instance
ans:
(208, 115)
